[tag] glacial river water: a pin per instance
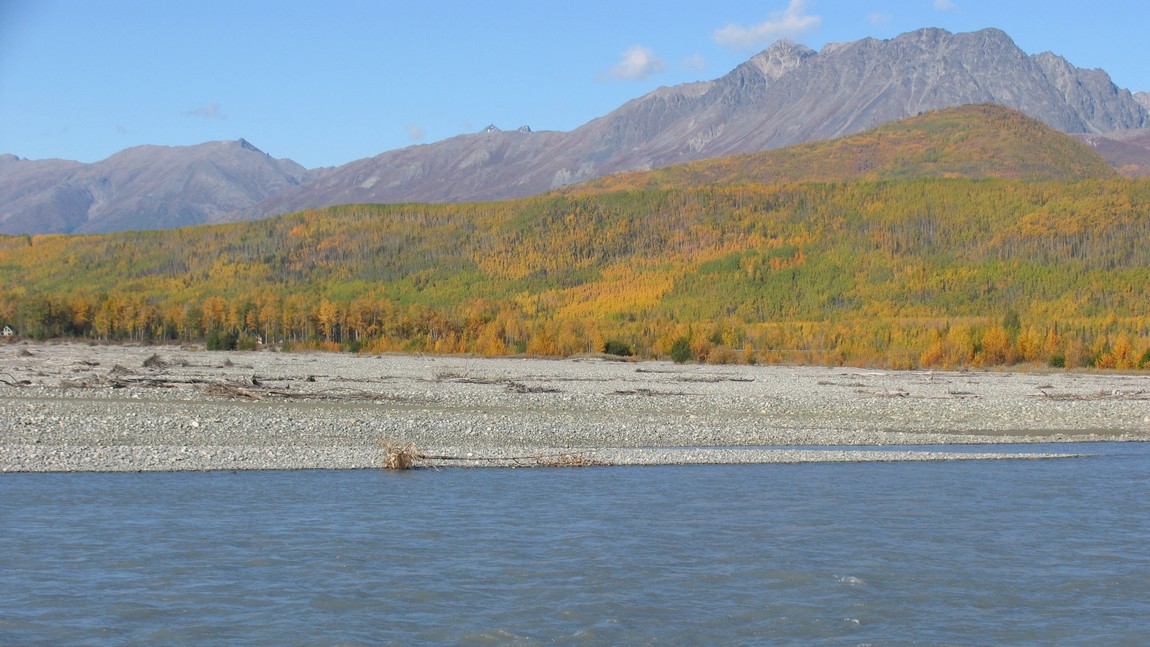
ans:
(972, 552)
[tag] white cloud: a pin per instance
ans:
(415, 132)
(879, 18)
(210, 111)
(638, 63)
(792, 21)
(695, 62)
(944, 5)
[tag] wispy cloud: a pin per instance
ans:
(879, 18)
(415, 132)
(792, 21)
(637, 64)
(944, 5)
(209, 111)
(695, 62)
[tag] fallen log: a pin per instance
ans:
(405, 457)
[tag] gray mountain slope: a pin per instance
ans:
(146, 187)
(35, 197)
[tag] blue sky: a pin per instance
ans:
(325, 83)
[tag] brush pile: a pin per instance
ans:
(400, 457)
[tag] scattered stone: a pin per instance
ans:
(332, 411)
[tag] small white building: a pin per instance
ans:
(7, 332)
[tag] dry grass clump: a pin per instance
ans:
(155, 361)
(400, 457)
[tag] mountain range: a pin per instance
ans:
(785, 95)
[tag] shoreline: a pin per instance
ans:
(72, 407)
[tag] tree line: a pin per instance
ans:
(887, 273)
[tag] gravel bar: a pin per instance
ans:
(78, 407)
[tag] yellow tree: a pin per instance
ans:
(996, 348)
(214, 314)
(328, 316)
(269, 318)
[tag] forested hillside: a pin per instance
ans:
(899, 272)
(974, 141)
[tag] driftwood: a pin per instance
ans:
(230, 391)
(408, 456)
(852, 385)
(703, 379)
(11, 381)
(1116, 394)
(519, 387)
(648, 392)
(511, 385)
(250, 388)
(254, 390)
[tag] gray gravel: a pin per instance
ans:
(75, 407)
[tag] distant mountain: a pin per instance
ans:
(1126, 150)
(489, 165)
(36, 198)
(147, 187)
(787, 94)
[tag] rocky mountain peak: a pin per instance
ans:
(1143, 98)
(245, 144)
(1057, 69)
(937, 39)
(780, 58)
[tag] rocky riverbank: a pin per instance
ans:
(77, 407)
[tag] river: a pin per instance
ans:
(964, 552)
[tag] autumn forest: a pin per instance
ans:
(971, 237)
